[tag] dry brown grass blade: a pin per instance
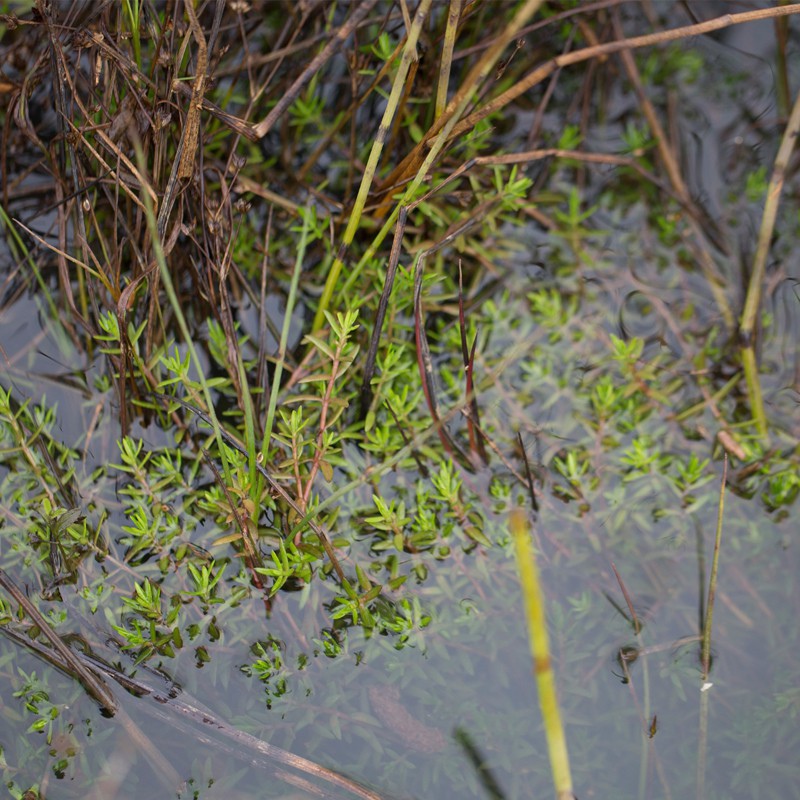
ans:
(665, 150)
(446, 63)
(61, 253)
(697, 220)
(63, 269)
(61, 79)
(121, 181)
(246, 184)
(183, 168)
(191, 129)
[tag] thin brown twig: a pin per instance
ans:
(334, 43)
(670, 162)
(476, 444)
(637, 626)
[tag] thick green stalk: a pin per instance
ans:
(409, 54)
(540, 650)
(452, 115)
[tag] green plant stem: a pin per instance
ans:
(132, 12)
(712, 584)
(291, 300)
(169, 288)
(753, 383)
(409, 54)
(540, 650)
(452, 114)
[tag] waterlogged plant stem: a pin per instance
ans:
(645, 711)
(705, 658)
(540, 650)
(95, 687)
(712, 584)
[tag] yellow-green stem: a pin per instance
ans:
(409, 54)
(752, 302)
(540, 650)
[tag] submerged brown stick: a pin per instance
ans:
(184, 713)
(94, 685)
(389, 709)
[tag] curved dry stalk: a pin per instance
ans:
(672, 168)
(752, 302)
